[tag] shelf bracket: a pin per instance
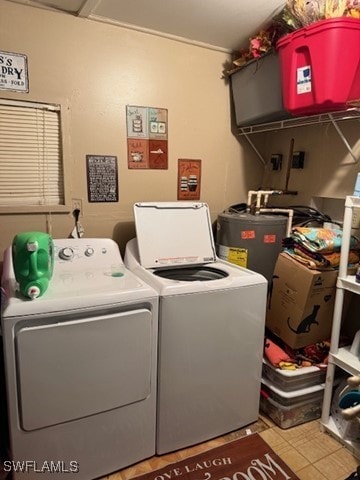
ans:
(253, 147)
(342, 136)
(352, 113)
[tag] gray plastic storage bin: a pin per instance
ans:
(257, 92)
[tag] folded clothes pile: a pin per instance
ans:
(319, 248)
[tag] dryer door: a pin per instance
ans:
(78, 368)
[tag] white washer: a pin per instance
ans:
(211, 325)
(80, 365)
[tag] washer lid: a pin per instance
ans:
(174, 234)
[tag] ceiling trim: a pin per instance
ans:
(87, 8)
(43, 6)
(156, 33)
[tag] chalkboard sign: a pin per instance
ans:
(102, 178)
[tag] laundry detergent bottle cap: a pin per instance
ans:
(33, 261)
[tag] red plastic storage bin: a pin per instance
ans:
(320, 66)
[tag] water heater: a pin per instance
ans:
(251, 241)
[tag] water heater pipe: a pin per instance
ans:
(261, 208)
(282, 210)
(259, 194)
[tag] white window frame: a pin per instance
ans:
(31, 157)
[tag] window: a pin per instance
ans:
(31, 171)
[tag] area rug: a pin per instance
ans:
(249, 458)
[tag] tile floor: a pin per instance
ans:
(310, 453)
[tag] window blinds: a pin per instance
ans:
(30, 154)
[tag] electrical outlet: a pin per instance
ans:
(76, 204)
(298, 160)
(276, 161)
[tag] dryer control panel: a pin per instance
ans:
(95, 252)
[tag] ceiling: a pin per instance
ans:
(224, 25)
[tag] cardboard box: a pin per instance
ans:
(301, 303)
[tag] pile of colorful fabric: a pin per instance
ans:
(319, 248)
(283, 357)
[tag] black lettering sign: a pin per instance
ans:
(102, 178)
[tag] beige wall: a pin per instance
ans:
(93, 71)
(329, 172)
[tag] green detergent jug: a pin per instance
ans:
(33, 261)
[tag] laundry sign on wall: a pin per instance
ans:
(13, 72)
(147, 140)
(102, 178)
(189, 178)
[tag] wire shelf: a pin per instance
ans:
(352, 113)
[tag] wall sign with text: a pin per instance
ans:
(189, 178)
(102, 178)
(13, 72)
(147, 140)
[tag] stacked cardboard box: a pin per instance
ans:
(301, 303)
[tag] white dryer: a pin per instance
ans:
(211, 325)
(80, 365)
